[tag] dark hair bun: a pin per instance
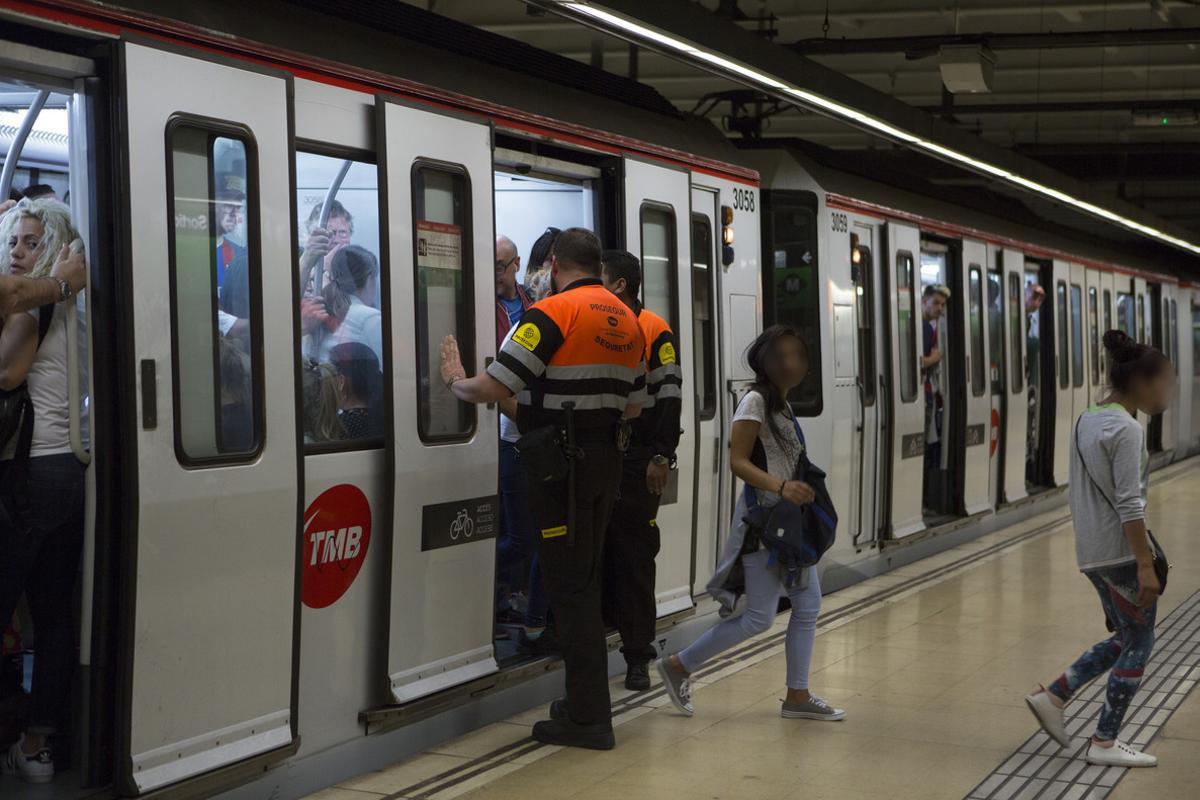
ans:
(1120, 346)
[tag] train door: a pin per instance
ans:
(347, 485)
(907, 399)
(216, 508)
(868, 445)
(705, 386)
(976, 497)
(1016, 431)
(1058, 343)
(1094, 319)
(997, 372)
(436, 172)
(1141, 332)
(1171, 339)
(941, 380)
(1077, 302)
(658, 231)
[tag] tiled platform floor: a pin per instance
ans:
(932, 678)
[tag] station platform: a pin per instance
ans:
(931, 662)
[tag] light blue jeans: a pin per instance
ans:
(764, 582)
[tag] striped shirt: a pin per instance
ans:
(581, 345)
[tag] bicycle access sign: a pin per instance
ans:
(337, 531)
(459, 522)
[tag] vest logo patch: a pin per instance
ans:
(528, 336)
(666, 353)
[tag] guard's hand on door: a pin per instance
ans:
(452, 366)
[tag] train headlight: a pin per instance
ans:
(726, 235)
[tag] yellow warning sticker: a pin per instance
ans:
(554, 533)
(528, 336)
(666, 353)
(654, 523)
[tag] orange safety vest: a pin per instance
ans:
(657, 429)
(581, 345)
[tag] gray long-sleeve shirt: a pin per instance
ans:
(1112, 446)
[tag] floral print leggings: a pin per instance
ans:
(1123, 656)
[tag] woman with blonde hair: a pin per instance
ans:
(41, 481)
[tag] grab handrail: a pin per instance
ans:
(326, 207)
(18, 143)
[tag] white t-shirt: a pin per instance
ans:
(781, 453)
(363, 324)
(508, 426)
(47, 381)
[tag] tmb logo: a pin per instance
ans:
(337, 531)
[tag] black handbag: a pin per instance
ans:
(1161, 565)
(16, 420)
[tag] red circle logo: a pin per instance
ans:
(337, 531)
(995, 432)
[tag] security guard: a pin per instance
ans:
(580, 347)
(633, 534)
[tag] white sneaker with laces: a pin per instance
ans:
(1049, 716)
(37, 768)
(812, 708)
(1119, 755)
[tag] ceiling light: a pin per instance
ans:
(644, 35)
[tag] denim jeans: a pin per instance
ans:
(1123, 655)
(518, 544)
(43, 563)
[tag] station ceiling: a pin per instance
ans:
(1106, 92)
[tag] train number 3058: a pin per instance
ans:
(840, 224)
(743, 200)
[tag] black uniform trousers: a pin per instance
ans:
(572, 572)
(629, 552)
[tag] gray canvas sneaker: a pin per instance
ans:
(678, 687)
(812, 708)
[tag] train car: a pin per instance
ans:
(846, 259)
(291, 540)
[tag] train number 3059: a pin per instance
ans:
(743, 200)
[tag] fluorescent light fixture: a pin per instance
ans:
(647, 35)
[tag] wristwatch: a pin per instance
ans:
(661, 460)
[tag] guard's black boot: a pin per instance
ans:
(558, 708)
(565, 733)
(637, 677)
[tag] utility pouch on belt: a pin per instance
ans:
(543, 454)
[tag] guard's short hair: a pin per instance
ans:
(936, 288)
(623, 264)
(580, 248)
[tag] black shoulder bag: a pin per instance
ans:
(16, 419)
(1161, 565)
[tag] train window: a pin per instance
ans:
(1196, 338)
(1060, 322)
(658, 262)
(995, 305)
(793, 291)
(1139, 329)
(906, 304)
(864, 294)
(442, 260)
(975, 306)
(1094, 335)
(1166, 327)
(1107, 310)
(213, 246)
(1175, 335)
(1125, 314)
(704, 354)
(1016, 304)
(1076, 335)
(341, 309)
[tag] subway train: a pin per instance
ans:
(265, 607)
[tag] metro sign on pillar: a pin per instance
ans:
(337, 532)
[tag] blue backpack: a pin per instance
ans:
(796, 535)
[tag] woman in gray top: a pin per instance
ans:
(1109, 470)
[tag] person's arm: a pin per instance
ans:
(1126, 454)
(508, 407)
(18, 347)
(741, 447)
(665, 382)
(19, 293)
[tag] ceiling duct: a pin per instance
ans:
(967, 68)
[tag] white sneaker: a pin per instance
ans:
(37, 768)
(1119, 755)
(1049, 716)
(812, 708)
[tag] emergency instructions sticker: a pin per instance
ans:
(439, 245)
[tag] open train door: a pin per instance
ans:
(208, 671)
(1060, 389)
(976, 498)
(907, 400)
(1016, 428)
(657, 231)
(437, 174)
